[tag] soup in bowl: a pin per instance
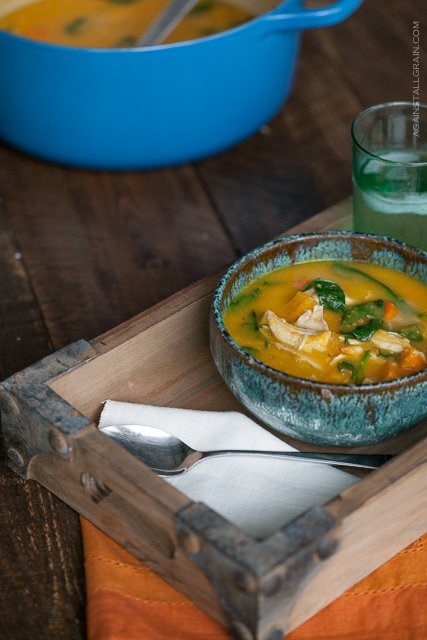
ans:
(324, 336)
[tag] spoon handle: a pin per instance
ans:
(359, 460)
(165, 22)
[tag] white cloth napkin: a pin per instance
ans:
(257, 494)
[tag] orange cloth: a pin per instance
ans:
(127, 601)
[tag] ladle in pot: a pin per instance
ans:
(176, 10)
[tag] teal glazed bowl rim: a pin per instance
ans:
(360, 247)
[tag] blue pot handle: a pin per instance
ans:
(286, 19)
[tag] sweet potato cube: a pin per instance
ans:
(296, 306)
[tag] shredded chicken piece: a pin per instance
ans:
(318, 342)
(390, 341)
(313, 319)
(284, 331)
(313, 294)
(296, 337)
(353, 350)
(302, 357)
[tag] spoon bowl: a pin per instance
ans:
(167, 455)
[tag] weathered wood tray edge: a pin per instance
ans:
(259, 588)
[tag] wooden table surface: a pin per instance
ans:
(81, 251)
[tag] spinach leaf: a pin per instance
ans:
(412, 332)
(251, 350)
(244, 298)
(75, 26)
(330, 294)
(252, 323)
(360, 371)
(400, 302)
(359, 314)
(202, 7)
(357, 373)
(346, 365)
(209, 31)
(365, 332)
(125, 42)
(271, 283)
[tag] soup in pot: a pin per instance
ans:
(114, 23)
(337, 322)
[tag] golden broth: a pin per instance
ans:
(114, 23)
(377, 335)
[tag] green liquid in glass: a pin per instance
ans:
(391, 200)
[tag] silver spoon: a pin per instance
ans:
(165, 22)
(169, 456)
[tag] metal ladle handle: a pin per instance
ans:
(162, 26)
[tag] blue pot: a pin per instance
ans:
(158, 106)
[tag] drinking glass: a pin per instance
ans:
(390, 171)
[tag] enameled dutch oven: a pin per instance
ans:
(158, 106)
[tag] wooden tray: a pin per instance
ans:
(260, 589)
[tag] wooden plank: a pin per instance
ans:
(23, 335)
(102, 246)
(42, 580)
(392, 81)
(300, 165)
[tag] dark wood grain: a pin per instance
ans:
(23, 335)
(101, 247)
(41, 574)
(82, 251)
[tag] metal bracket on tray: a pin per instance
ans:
(254, 580)
(34, 418)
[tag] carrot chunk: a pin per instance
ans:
(390, 310)
(412, 360)
(392, 371)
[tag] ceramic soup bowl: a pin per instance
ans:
(323, 413)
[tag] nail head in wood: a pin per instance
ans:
(240, 631)
(9, 404)
(189, 541)
(275, 634)
(326, 548)
(245, 582)
(272, 585)
(59, 443)
(94, 488)
(15, 457)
